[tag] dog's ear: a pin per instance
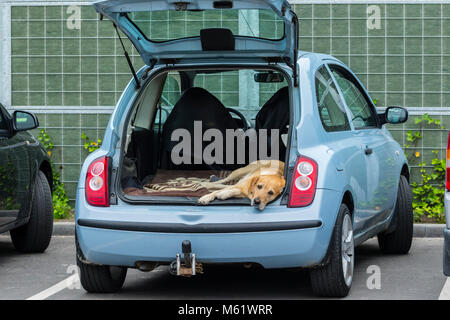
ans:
(253, 182)
(283, 182)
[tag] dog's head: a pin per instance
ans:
(264, 189)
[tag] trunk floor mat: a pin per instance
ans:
(178, 183)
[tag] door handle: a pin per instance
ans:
(368, 150)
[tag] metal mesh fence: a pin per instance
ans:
(68, 67)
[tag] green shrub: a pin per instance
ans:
(90, 145)
(428, 192)
(61, 207)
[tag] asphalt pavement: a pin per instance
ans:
(53, 275)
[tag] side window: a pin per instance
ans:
(171, 92)
(357, 102)
(170, 95)
(331, 108)
(3, 125)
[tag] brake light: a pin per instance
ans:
(97, 183)
(447, 164)
(303, 186)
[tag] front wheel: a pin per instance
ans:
(36, 234)
(335, 278)
(399, 240)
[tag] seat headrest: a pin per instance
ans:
(274, 114)
(197, 104)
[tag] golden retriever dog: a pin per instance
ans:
(261, 181)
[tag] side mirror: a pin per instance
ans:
(394, 115)
(23, 121)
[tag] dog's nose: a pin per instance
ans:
(256, 201)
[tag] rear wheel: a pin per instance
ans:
(100, 278)
(36, 234)
(399, 240)
(335, 278)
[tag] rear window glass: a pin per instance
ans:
(238, 90)
(168, 25)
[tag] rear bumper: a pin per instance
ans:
(447, 252)
(299, 237)
(201, 227)
(275, 249)
(446, 255)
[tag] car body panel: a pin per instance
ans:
(446, 249)
(189, 48)
(380, 182)
(371, 179)
(21, 156)
(303, 247)
(340, 160)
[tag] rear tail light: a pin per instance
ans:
(97, 183)
(303, 186)
(447, 164)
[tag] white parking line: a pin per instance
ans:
(445, 293)
(69, 282)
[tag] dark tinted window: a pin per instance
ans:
(162, 26)
(357, 102)
(3, 125)
(331, 108)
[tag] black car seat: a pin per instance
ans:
(196, 104)
(144, 152)
(274, 114)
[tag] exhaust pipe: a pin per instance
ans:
(146, 266)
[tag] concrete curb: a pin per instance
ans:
(66, 228)
(428, 230)
(421, 230)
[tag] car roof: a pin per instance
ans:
(316, 59)
(317, 56)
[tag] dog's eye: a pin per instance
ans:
(270, 192)
(259, 186)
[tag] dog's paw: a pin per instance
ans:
(206, 199)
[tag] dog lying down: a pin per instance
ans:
(261, 181)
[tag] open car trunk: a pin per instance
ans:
(154, 168)
(262, 31)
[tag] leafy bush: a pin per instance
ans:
(90, 145)
(428, 198)
(428, 193)
(61, 207)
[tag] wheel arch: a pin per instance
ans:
(46, 168)
(405, 171)
(347, 199)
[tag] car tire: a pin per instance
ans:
(100, 278)
(35, 236)
(399, 240)
(335, 278)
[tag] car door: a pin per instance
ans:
(347, 156)
(379, 160)
(14, 172)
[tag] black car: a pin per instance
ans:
(26, 208)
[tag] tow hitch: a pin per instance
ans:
(189, 267)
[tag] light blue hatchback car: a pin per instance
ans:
(235, 65)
